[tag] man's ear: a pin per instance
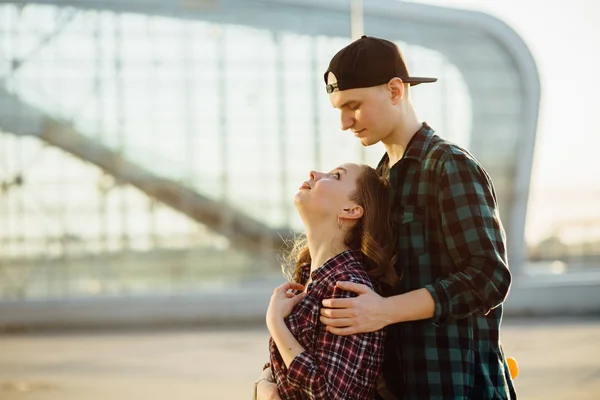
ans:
(396, 88)
(354, 212)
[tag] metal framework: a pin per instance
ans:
(190, 52)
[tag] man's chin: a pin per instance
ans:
(366, 142)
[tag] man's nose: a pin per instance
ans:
(347, 121)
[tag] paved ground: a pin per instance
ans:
(559, 359)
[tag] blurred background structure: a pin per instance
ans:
(149, 152)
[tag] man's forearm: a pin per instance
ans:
(412, 306)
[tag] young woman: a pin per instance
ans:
(348, 238)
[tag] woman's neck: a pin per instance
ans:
(324, 242)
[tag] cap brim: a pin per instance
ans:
(413, 80)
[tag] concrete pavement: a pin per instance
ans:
(559, 359)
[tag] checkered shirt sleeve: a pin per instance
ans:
(474, 239)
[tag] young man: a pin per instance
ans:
(443, 335)
(443, 326)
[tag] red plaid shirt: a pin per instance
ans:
(332, 366)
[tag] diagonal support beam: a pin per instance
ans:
(243, 232)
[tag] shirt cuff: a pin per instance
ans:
(441, 301)
(300, 371)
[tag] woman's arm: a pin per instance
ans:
(331, 371)
(286, 343)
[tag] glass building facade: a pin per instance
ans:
(237, 112)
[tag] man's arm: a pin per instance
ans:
(370, 312)
(475, 241)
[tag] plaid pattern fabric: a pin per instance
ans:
(451, 242)
(332, 366)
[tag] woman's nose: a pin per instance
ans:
(314, 175)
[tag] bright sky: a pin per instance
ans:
(564, 38)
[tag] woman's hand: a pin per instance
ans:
(267, 374)
(267, 389)
(282, 301)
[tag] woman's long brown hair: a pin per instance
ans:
(372, 234)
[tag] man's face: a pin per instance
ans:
(365, 111)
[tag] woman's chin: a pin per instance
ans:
(299, 197)
(301, 202)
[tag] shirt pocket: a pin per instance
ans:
(413, 222)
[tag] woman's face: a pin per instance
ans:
(328, 193)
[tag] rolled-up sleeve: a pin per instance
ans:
(475, 240)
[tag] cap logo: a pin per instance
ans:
(333, 87)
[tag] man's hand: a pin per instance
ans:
(365, 313)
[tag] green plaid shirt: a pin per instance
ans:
(451, 242)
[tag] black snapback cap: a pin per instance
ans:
(369, 61)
